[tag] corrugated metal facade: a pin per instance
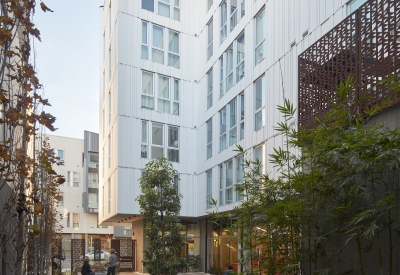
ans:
(291, 26)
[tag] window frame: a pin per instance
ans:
(172, 8)
(222, 129)
(242, 116)
(210, 43)
(145, 45)
(223, 29)
(209, 188)
(261, 109)
(229, 187)
(176, 54)
(146, 141)
(233, 128)
(239, 163)
(210, 87)
(230, 15)
(209, 138)
(172, 148)
(221, 184)
(262, 42)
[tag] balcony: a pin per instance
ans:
(365, 45)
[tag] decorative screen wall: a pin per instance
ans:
(365, 45)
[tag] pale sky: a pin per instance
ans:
(68, 63)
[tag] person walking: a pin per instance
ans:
(112, 261)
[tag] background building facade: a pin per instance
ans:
(190, 80)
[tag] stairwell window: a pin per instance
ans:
(209, 89)
(260, 37)
(210, 39)
(209, 188)
(209, 138)
(259, 104)
(222, 129)
(173, 49)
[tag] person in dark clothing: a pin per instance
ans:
(86, 267)
(229, 271)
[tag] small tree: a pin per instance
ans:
(160, 206)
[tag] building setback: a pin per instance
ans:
(190, 80)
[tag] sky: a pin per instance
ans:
(67, 63)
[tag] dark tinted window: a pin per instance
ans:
(148, 5)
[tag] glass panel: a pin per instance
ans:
(93, 200)
(209, 181)
(163, 87)
(356, 4)
(156, 152)
(239, 169)
(163, 9)
(176, 89)
(143, 153)
(144, 131)
(173, 42)
(229, 195)
(173, 137)
(223, 34)
(229, 82)
(259, 153)
(260, 53)
(243, 8)
(173, 155)
(209, 151)
(259, 120)
(232, 114)
(61, 154)
(232, 136)
(158, 34)
(240, 49)
(241, 130)
(223, 13)
(209, 4)
(147, 83)
(260, 93)
(175, 110)
(145, 53)
(222, 143)
(233, 20)
(173, 60)
(157, 134)
(209, 131)
(241, 107)
(176, 3)
(210, 51)
(222, 121)
(163, 106)
(260, 28)
(148, 5)
(158, 56)
(210, 31)
(177, 14)
(147, 102)
(209, 101)
(144, 32)
(233, 6)
(229, 60)
(240, 72)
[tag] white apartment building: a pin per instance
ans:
(78, 204)
(189, 80)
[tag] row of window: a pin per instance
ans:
(160, 44)
(93, 200)
(166, 100)
(159, 140)
(167, 8)
(230, 174)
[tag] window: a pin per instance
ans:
(93, 200)
(239, 175)
(168, 147)
(60, 199)
(259, 154)
(109, 108)
(222, 129)
(60, 154)
(260, 37)
(109, 151)
(234, 16)
(173, 49)
(209, 188)
(176, 184)
(210, 38)
(241, 131)
(209, 89)
(173, 144)
(223, 16)
(158, 45)
(232, 123)
(355, 4)
(240, 58)
(143, 153)
(221, 184)
(209, 138)
(232, 73)
(145, 45)
(94, 160)
(259, 95)
(75, 179)
(93, 180)
(75, 220)
(148, 5)
(165, 100)
(109, 196)
(68, 219)
(157, 145)
(229, 182)
(229, 68)
(209, 4)
(163, 8)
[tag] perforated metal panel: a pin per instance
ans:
(97, 250)
(364, 45)
(124, 252)
(77, 251)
